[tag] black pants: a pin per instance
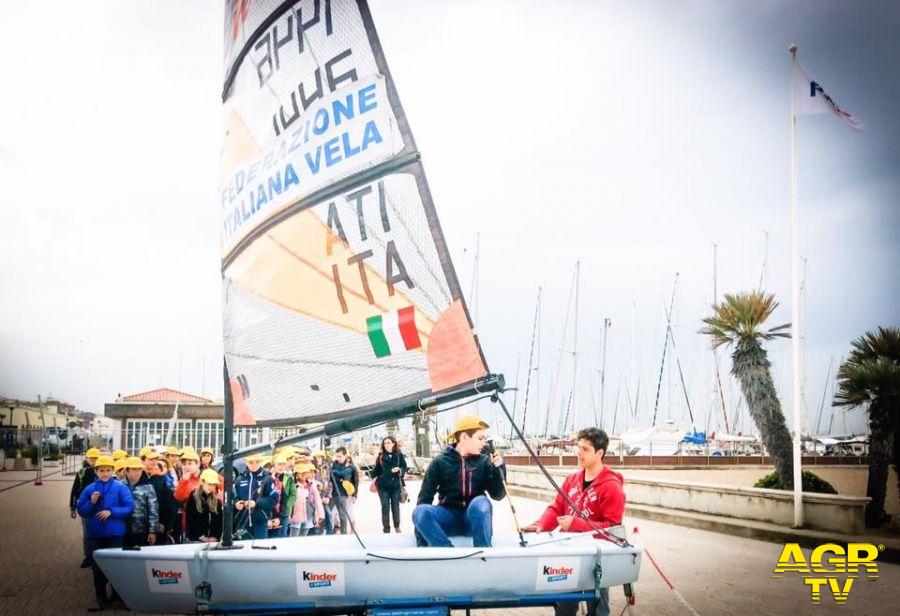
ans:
(135, 540)
(100, 581)
(390, 497)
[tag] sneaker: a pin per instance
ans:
(397, 529)
(85, 563)
(387, 531)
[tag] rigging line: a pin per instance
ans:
(662, 362)
(616, 408)
(603, 533)
(320, 362)
(687, 400)
(554, 382)
(530, 363)
(824, 394)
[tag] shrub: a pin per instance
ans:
(811, 483)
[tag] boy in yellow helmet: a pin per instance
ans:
(460, 476)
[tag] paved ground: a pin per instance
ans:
(40, 547)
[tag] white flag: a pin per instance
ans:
(810, 98)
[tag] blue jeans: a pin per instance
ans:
(434, 523)
(329, 511)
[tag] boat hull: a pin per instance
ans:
(330, 572)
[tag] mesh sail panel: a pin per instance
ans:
(339, 295)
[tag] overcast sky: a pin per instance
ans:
(631, 136)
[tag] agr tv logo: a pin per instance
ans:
(835, 573)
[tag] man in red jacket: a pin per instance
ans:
(596, 490)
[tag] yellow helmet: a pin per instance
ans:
(119, 465)
(281, 458)
(152, 454)
(190, 454)
(467, 422)
(254, 457)
(172, 451)
(118, 454)
(208, 450)
(93, 452)
(134, 462)
(105, 461)
(304, 468)
(209, 476)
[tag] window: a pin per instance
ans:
(142, 432)
(209, 433)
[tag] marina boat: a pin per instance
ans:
(336, 573)
(341, 310)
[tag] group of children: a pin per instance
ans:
(176, 496)
(295, 493)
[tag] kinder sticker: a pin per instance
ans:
(169, 576)
(557, 574)
(320, 579)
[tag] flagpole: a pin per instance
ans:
(795, 312)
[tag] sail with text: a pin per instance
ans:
(339, 294)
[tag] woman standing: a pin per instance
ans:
(203, 511)
(390, 468)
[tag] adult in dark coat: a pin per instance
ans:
(390, 468)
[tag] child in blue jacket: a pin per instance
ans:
(106, 504)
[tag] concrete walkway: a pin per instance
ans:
(40, 548)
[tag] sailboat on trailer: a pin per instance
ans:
(341, 309)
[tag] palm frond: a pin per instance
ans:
(741, 316)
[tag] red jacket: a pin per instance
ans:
(603, 502)
(186, 487)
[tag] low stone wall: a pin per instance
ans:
(688, 461)
(843, 514)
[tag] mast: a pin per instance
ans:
(824, 393)
(228, 471)
(535, 337)
(575, 352)
(606, 324)
(763, 275)
(515, 394)
(795, 312)
(662, 362)
(720, 390)
(554, 383)
(687, 400)
(616, 407)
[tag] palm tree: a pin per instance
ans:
(870, 378)
(738, 320)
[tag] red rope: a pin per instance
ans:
(665, 578)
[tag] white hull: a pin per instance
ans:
(331, 572)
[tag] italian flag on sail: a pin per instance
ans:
(393, 332)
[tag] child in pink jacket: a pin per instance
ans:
(308, 512)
